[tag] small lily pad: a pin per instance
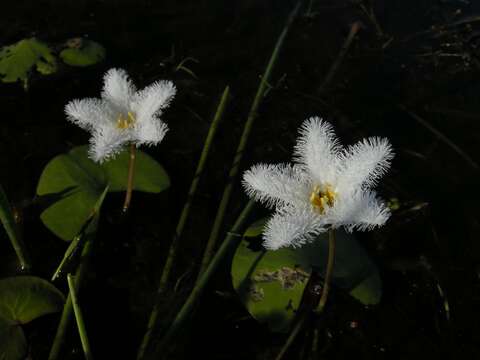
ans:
(19, 59)
(23, 299)
(80, 181)
(82, 52)
(271, 283)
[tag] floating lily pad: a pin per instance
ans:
(82, 52)
(23, 299)
(271, 283)
(80, 181)
(17, 60)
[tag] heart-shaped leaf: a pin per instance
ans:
(23, 299)
(17, 60)
(13, 345)
(271, 283)
(82, 52)
(80, 181)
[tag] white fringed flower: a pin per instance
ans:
(328, 187)
(122, 115)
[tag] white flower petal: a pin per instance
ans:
(362, 210)
(149, 102)
(363, 164)
(292, 226)
(107, 141)
(150, 133)
(118, 89)
(87, 113)
(318, 149)
(277, 184)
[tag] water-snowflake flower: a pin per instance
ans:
(327, 187)
(122, 115)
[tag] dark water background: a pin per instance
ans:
(413, 61)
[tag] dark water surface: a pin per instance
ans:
(411, 57)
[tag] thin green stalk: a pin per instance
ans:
(7, 218)
(193, 188)
(131, 173)
(172, 252)
(231, 240)
(252, 115)
(90, 231)
(328, 273)
(72, 248)
(82, 331)
(67, 308)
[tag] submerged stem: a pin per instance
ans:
(252, 115)
(329, 271)
(82, 331)
(131, 172)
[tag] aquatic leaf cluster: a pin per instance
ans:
(271, 283)
(75, 183)
(18, 61)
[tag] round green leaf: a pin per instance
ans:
(78, 183)
(82, 52)
(25, 298)
(17, 60)
(271, 283)
(13, 345)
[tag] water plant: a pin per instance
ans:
(122, 116)
(204, 269)
(328, 187)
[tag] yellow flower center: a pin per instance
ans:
(321, 197)
(125, 122)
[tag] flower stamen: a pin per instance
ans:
(125, 122)
(322, 197)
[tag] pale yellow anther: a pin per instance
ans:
(322, 197)
(125, 122)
